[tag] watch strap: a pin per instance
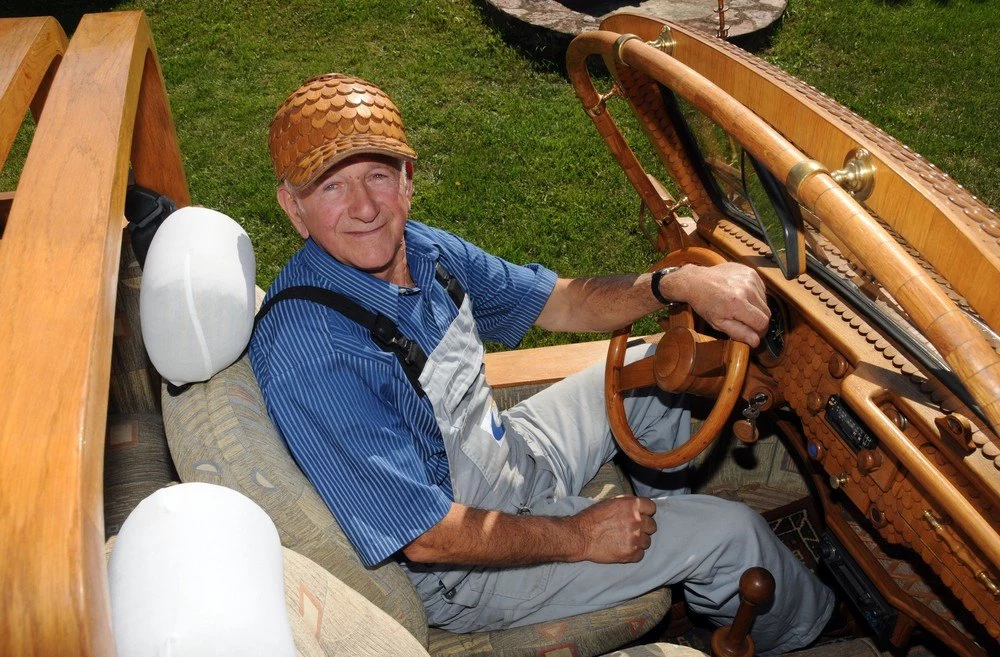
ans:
(654, 284)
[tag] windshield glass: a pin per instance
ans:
(719, 157)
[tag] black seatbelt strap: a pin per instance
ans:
(384, 331)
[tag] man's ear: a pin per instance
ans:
(409, 180)
(291, 206)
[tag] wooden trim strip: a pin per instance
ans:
(863, 394)
(58, 270)
(505, 369)
(30, 52)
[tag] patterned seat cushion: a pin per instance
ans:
(330, 618)
(136, 465)
(219, 432)
(132, 377)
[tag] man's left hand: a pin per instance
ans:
(729, 296)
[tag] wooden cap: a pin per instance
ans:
(329, 118)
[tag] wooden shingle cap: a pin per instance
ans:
(329, 118)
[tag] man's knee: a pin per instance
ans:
(736, 524)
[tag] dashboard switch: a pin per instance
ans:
(838, 481)
(869, 461)
(815, 450)
(838, 366)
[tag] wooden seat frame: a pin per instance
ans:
(105, 108)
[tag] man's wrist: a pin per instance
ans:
(654, 284)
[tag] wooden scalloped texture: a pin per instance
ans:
(327, 117)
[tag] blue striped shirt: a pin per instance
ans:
(357, 428)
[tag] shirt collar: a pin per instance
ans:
(377, 295)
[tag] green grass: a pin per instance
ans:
(925, 71)
(508, 159)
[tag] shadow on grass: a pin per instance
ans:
(67, 12)
(545, 48)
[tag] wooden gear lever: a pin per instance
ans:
(756, 590)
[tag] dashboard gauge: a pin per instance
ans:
(774, 339)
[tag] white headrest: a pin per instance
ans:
(196, 304)
(197, 572)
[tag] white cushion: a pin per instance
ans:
(196, 303)
(197, 572)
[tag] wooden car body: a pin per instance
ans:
(917, 475)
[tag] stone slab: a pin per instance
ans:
(558, 22)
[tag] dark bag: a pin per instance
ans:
(145, 211)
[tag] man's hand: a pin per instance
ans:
(617, 530)
(729, 296)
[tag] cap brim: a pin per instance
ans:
(319, 160)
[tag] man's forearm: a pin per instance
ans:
(729, 296)
(603, 303)
(472, 536)
(611, 531)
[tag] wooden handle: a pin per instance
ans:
(756, 591)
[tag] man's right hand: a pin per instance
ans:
(616, 530)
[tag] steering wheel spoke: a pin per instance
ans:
(638, 374)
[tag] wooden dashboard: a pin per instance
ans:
(903, 450)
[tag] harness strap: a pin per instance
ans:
(450, 285)
(384, 331)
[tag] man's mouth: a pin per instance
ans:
(366, 232)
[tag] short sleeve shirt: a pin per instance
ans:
(354, 423)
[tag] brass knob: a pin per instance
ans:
(814, 402)
(858, 175)
(838, 481)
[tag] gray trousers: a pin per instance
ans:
(701, 541)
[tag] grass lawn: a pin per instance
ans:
(508, 158)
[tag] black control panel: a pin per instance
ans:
(850, 428)
(863, 595)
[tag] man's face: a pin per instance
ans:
(357, 211)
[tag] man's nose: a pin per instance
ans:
(362, 203)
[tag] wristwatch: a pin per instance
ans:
(654, 284)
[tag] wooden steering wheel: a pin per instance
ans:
(684, 361)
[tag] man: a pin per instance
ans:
(482, 509)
